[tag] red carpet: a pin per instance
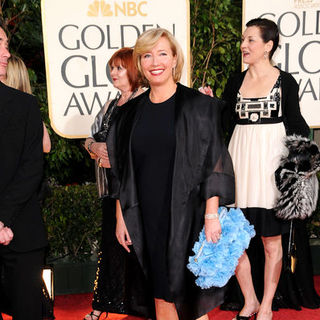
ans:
(74, 307)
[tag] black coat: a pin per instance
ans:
(202, 169)
(21, 165)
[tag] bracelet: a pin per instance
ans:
(89, 146)
(211, 216)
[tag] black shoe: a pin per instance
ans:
(94, 316)
(251, 317)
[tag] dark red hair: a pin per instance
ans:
(124, 57)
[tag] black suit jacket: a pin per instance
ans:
(21, 165)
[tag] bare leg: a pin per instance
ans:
(205, 317)
(243, 274)
(273, 264)
(167, 311)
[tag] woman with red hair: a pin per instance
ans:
(109, 289)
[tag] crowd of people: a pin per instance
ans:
(166, 158)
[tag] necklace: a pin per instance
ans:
(106, 121)
(130, 97)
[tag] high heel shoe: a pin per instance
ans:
(94, 316)
(252, 316)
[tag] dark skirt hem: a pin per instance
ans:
(265, 222)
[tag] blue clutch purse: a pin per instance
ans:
(214, 263)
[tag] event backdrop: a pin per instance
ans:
(299, 52)
(79, 38)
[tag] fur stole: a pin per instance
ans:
(297, 180)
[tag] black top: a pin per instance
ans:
(293, 121)
(153, 147)
(263, 110)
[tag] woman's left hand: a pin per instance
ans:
(212, 229)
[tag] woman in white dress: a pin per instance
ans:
(262, 108)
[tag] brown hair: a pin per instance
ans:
(124, 57)
(3, 26)
(17, 75)
(148, 40)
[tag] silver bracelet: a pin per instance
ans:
(89, 146)
(211, 216)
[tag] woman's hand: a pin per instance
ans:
(206, 90)
(212, 230)
(104, 163)
(6, 234)
(122, 233)
(100, 149)
(212, 227)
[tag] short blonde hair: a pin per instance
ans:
(148, 40)
(17, 75)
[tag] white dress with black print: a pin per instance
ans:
(256, 146)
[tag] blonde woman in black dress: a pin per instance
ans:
(174, 171)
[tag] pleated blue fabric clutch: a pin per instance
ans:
(214, 263)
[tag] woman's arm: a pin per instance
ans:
(293, 119)
(122, 233)
(98, 151)
(46, 142)
(212, 227)
(87, 145)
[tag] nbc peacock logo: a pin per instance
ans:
(117, 8)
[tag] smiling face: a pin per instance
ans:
(253, 47)
(119, 77)
(4, 54)
(158, 62)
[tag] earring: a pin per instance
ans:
(174, 70)
(266, 54)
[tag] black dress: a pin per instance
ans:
(201, 169)
(153, 147)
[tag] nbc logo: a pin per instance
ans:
(116, 9)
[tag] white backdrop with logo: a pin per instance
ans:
(299, 53)
(79, 38)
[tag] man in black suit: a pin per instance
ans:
(22, 232)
